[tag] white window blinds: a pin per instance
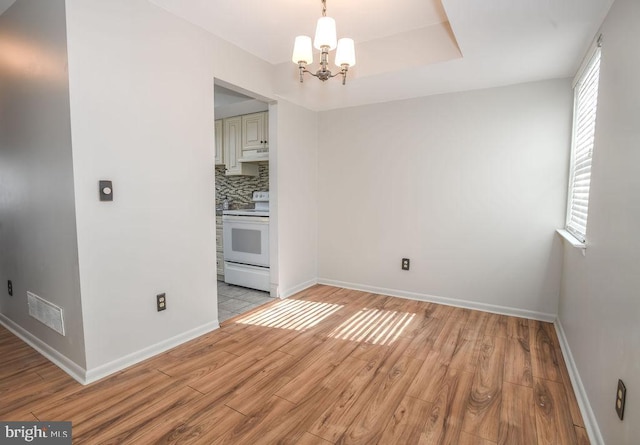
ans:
(584, 125)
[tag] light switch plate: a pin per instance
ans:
(105, 189)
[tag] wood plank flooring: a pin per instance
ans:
(328, 366)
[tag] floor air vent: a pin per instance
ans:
(45, 312)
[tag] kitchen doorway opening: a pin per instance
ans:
(244, 198)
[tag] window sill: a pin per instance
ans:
(571, 239)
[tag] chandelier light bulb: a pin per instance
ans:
(325, 33)
(302, 51)
(346, 53)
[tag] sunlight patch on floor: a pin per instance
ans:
(375, 326)
(297, 315)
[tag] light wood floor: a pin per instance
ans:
(327, 366)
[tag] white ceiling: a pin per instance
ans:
(225, 96)
(408, 48)
(267, 28)
(229, 103)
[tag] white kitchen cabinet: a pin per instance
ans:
(232, 143)
(219, 147)
(255, 135)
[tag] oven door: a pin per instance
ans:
(246, 239)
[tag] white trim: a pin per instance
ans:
(596, 43)
(299, 288)
(119, 364)
(504, 310)
(66, 364)
(590, 422)
(84, 376)
(575, 242)
(585, 100)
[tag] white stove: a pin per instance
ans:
(246, 212)
(246, 244)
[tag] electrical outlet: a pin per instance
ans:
(10, 288)
(405, 263)
(621, 396)
(161, 301)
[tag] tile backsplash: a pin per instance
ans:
(239, 189)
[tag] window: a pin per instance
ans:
(585, 101)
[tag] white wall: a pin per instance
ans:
(297, 197)
(38, 247)
(469, 186)
(599, 304)
(239, 108)
(142, 115)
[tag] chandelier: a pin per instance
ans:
(325, 41)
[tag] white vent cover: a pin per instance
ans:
(46, 312)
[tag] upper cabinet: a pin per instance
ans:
(232, 147)
(241, 141)
(219, 147)
(255, 136)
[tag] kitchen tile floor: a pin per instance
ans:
(236, 300)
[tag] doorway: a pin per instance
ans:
(244, 152)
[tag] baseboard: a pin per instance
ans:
(107, 369)
(504, 310)
(590, 422)
(299, 288)
(89, 376)
(61, 361)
